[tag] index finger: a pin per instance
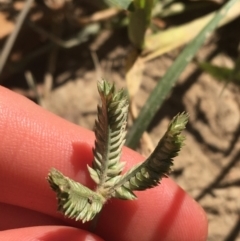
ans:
(34, 140)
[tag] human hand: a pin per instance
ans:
(33, 141)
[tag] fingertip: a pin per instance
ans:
(185, 218)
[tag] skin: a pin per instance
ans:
(33, 141)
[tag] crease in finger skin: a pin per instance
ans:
(48, 233)
(18, 217)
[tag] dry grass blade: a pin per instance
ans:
(12, 37)
(163, 42)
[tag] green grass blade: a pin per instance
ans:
(164, 86)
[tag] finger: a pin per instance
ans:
(35, 140)
(48, 233)
(13, 217)
(163, 213)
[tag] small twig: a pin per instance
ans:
(100, 16)
(12, 37)
(81, 37)
(48, 78)
(32, 85)
(96, 64)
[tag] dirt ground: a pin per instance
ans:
(208, 167)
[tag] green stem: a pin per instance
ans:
(139, 21)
